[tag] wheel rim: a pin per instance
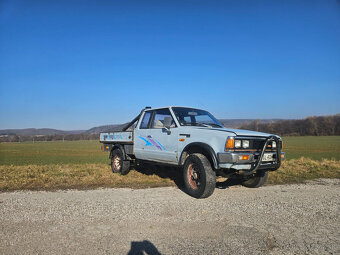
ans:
(116, 162)
(194, 177)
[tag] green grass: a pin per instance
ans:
(313, 147)
(49, 153)
(89, 152)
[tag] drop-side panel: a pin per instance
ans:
(123, 137)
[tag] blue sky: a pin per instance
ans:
(79, 64)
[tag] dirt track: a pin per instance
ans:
(289, 219)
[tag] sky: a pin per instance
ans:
(79, 64)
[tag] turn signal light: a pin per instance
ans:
(230, 143)
(243, 157)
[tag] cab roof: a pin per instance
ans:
(149, 108)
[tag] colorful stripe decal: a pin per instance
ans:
(149, 141)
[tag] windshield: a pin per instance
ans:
(195, 117)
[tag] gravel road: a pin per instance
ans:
(286, 219)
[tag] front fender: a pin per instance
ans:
(197, 147)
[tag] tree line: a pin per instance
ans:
(46, 138)
(311, 126)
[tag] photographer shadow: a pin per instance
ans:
(144, 247)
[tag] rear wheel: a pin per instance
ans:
(118, 164)
(199, 177)
(256, 181)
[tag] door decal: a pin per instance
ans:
(152, 142)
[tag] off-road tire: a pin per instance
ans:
(199, 177)
(257, 181)
(118, 164)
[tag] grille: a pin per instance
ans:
(257, 144)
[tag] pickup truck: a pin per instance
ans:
(195, 141)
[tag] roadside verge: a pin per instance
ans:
(89, 176)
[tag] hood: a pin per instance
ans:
(242, 132)
(239, 132)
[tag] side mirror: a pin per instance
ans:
(167, 122)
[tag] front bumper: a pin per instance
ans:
(234, 157)
(234, 160)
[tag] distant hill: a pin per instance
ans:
(230, 123)
(38, 131)
(319, 125)
(104, 129)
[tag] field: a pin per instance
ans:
(81, 164)
(313, 147)
(51, 153)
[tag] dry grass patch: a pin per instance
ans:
(87, 176)
(302, 169)
(80, 176)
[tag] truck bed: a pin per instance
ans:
(117, 137)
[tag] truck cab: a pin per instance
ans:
(195, 141)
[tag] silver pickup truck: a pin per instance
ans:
(195, 141)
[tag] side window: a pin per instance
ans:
(158, 120)
(145, 120)
(187, 119)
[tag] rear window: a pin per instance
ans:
(145, 120)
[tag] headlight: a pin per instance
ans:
(245, 144)
(273, 144)
(237, 143)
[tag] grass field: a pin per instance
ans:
(81, 164)
(88, 152)
(314, 147)
(50, 153)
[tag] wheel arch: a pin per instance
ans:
(118, 146)
(202, 148)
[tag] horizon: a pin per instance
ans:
(117, 124)
(75, 65)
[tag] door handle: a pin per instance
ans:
(149, 136)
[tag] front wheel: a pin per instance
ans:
(199, 177)
(256, 181)
(118, 164)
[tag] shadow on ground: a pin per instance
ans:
(232, 181)
(176, 175)
(144, 247)
(173, 173)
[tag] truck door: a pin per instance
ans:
(160, 144)
(140, 134)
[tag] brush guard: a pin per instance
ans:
(257, 164)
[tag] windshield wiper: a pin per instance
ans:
(209, 125)
(203, 124)
(213, 124)
(196, 124)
